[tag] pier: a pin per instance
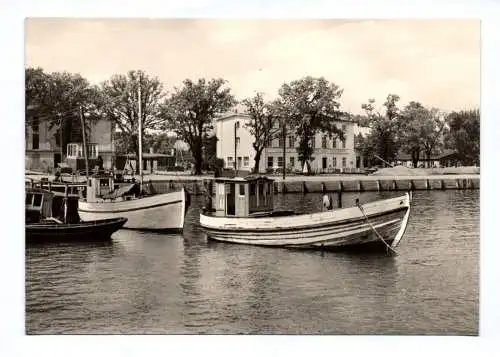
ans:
(320, 184)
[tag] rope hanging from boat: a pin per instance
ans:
(389, 248)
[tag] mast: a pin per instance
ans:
(140, 133)
(82, 120)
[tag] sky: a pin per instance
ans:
(433, 61)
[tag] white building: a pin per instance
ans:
(329, 155)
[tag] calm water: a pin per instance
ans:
(153, 283)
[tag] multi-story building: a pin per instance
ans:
(330, 155)
(43, 147)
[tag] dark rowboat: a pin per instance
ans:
(68, 232)
(47, 220)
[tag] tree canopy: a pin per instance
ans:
(464, 135)
(189, 112)
(309, 105)
(262, 124)
(120, 104)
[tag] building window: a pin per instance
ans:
(344, 162)
(239, 161)
(242, 190)
(291, 141)
(269, 142)
(230, 162)
(280, 161)
(270, 161)
(313, 142)
(324, 163)
(334, 161)
(343, 144)
(334, 143)
(323, 142)
(281, 142)
(93, 151)
(35, 139)
(292, 162)
(276, 143)
(246, 161)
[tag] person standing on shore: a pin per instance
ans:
(327, 202)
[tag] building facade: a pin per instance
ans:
(329, 156)
(43, 148)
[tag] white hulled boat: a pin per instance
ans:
(163, 212)
(243, 212)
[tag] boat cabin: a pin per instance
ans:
(38, 205)
(248, 196)
(101, 188)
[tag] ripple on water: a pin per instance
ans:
(151, 283)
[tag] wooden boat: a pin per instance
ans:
(43, 226)
(105, 200)
(243, 213)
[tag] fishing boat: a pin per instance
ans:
(105, 200)
(243, 212)
(155, 212)
(46, 221)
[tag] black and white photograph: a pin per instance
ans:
(205, 176)
(188, 174)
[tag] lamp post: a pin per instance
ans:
(235, 148)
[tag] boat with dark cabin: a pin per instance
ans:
(43, 224)
(242, 211)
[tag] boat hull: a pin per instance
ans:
(163, 212)
(74, 232)
(340, 229)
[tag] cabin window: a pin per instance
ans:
(37, 200)
(29, 199)
(242, 190)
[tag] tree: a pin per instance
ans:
(412, 130)
(262, 124)
(121, 105)
(383, 138)
(464, 135)
(309, 105)
(56, 99)
(160, 142)
(432, 139)
(189, 112)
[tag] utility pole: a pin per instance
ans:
(284, 148)
(139, 112)
(235, 148)
(82, 120)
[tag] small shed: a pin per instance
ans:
(243, 196)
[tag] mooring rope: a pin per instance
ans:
(374, 230)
